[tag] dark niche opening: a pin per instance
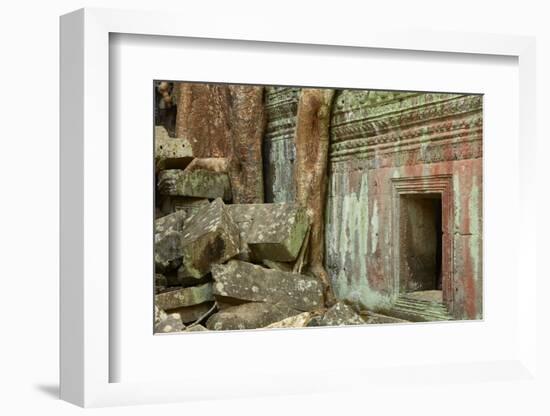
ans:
(421, 242)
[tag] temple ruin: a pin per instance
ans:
(402, 214)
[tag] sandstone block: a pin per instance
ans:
(168, 240)
(170, 152)
(341, 314)
(198, 183)
(171, 323)
(208, 237)
(246, 281)
(249, 316)
(160, 315)
(187, 296)
(271, 231)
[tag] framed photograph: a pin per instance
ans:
(236, 210)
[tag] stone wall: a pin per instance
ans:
(278, 148)
(377, 138)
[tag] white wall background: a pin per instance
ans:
(29, 208)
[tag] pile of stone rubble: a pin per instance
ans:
(223, 266)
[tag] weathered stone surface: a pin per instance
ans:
(187, 296)
(209, 237)
(341, 314)
(190, 314)
(171, 323)
(198, 183)
(249, 316)
(243, 215)
(279, 152)
(377, 318)
(246, 281)
(168, 250)
(271, 231)
(378, 139)
(160, 315)
(296, 321)
(160, 282)
(170, 204)
(168, 240)
(196, 328)
(171, 153)
(277, 265)
(171, 222)
(182, 278)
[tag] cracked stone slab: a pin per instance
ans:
(198, 183)
(183, 297)
(209, 237)
(170, 152)
(246, 281)
(249, 316)
(271, 231)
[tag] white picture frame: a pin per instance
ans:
(85, 212)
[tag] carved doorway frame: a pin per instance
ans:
(418, 185)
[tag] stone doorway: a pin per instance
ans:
(422, 246)
(420, 243)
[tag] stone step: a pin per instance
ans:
(422, 310)
(419, 310)
(431, 308)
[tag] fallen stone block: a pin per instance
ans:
(198, 183)
(172, 323)
(271, 231)
(245, 281)
(168, 246)
(208, 237)
(297, 321)
(278, 235)
(187, 296)
(190, 314)
(171, 222)
(160, 315)
(341, 314)
(243, 215)
(249, 316)
(168, 239)
(171, 152)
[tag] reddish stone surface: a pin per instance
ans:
(400, 137)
